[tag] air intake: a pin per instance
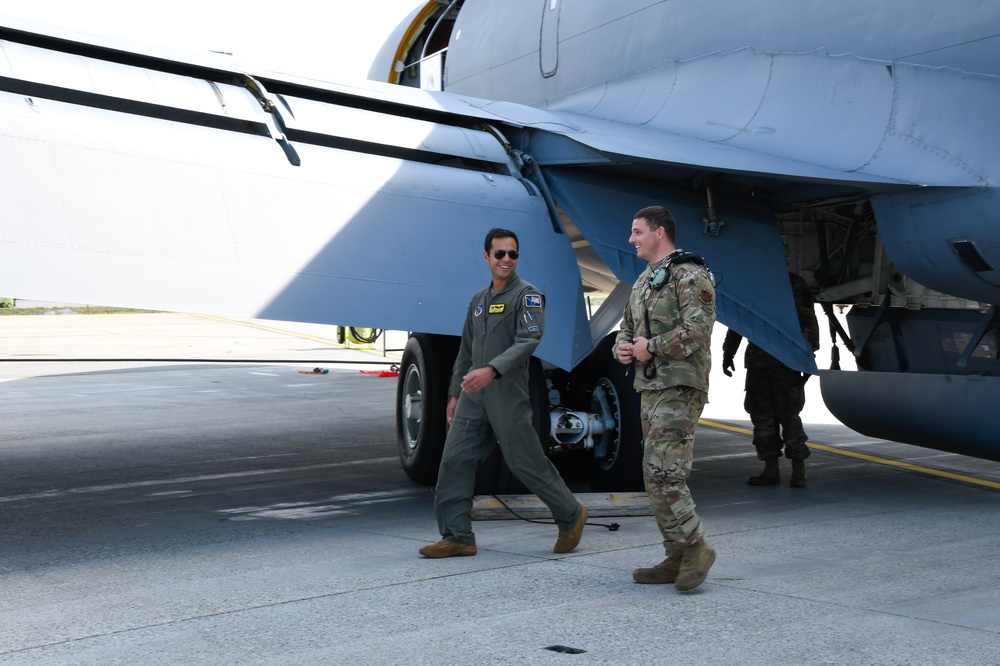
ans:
(970, 256)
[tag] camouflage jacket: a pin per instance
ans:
(681, 316)
(758, 359)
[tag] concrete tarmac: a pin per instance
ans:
(246, 513)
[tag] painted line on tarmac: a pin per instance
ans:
(304, 336)
(45, 494)
(870, 458)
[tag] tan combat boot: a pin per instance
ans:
(770, 476)
(664, 572)
(568, 540)
(798, 474)
(448, 549)
(697, 560)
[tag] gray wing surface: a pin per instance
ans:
(161, 183)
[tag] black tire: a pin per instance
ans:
(617, 464)
(421, 401)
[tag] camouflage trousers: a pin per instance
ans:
(775, 396)
(669, 418)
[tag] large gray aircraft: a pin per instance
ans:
(853, 143)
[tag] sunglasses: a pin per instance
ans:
(499, 254)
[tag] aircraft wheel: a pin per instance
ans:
(618, 453)
(421, 401)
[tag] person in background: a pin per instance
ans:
(775, 395)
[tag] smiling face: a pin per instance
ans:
(501, 269)
(643, 239)
(650, 244)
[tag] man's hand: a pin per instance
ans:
(727, 366)
(639, 350)
(449, 413)
(624, 353)
(478, 379)
(634, 351)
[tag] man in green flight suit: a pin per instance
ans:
(489, 405)
(666, 332)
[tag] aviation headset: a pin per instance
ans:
(661, 275)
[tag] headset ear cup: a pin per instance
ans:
(662, 274)
(659, 278)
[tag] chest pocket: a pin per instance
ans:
(659, 308)
(495, 319)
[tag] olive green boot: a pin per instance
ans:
(664, 572)
(771, 476)
(697, 560)
(798, 474)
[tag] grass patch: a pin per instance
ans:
(71, 309)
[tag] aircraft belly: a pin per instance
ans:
(944, 412)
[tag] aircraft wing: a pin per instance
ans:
(154, 181)
(595, 170)
(146, 180)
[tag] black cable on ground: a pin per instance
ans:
(613, 527)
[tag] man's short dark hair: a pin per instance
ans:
(499, 233)
(656, 217)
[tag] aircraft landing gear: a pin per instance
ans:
(607, 427)
(600, 435)
(421, 400)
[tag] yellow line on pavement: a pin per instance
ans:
(304, 336)
(870, 458)
(723, 426)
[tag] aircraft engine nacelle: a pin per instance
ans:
(945, 239)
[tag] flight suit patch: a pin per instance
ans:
(479, 310)
(532, 301)
(706, 296)
(496, 308)
(532, 329)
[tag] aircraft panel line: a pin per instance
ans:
(189, 479)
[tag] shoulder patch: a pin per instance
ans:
(706, 296)
(496, 308)
(532, 329)
(532, 301)
(479, 309)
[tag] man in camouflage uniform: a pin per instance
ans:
(775, 394)
(666, 332)
(489, 405)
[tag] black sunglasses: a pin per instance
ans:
(499, 254)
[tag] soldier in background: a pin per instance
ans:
(775, 394)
